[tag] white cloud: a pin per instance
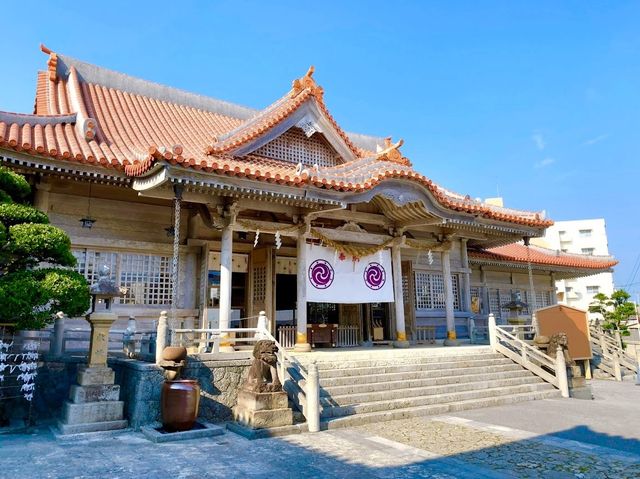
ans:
(595, 140)
(544, 163)
(538, 139)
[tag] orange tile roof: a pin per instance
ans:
(302, 89)
(517, 253)
(119, 125)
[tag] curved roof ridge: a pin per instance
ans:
(33, 119)
(120, 81)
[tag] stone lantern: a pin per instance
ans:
(101, 318)
(94, 402)
(515, 307)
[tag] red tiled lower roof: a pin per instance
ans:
(517, 253)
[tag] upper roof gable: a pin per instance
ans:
(303, 107)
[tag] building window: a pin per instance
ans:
(147, 278)
(430, 291)
(587, 250)
(499, 297)
(562, 233)
(564, 250)
(544, 299)
(585, 233)
(593, 289)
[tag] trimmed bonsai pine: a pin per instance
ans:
(36, 279)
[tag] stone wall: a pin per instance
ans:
(53, 382)
(140, 386)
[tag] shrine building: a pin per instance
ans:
(217, 211)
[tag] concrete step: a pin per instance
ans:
(403, 393)
(338, 354)
(328, 382)
(443, 408)
(463, 377)
(414, 402)
(381, 362)
(410, 367)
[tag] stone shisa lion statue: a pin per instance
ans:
(263, 376)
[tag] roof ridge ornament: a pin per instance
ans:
(52, 64)
(391, 152)
(306, 82)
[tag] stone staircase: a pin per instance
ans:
(359, 390)
(604, 347)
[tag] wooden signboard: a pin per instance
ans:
(573, 322)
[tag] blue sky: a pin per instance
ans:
(535, 101)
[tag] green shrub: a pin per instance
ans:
(14, 213)
(29, 294)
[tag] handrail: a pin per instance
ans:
(305, 390)
(613, 355)
(550, 370)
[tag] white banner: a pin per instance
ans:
(332, 279)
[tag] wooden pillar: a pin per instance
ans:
(41, 199)
(448, 300)
(466, 277)
(396, 265)
(226, 258)
(302, 344)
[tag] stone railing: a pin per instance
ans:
(551, 370)
(613, 357)
(287, 336)
(301, 384)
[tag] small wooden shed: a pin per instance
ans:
(574, 322)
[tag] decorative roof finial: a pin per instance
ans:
(52, 63)
(301, 84)
(391, 152)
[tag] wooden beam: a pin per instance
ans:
(267, 226)
(353, 237)
(250, 204)
(357, 216)
(191, 197)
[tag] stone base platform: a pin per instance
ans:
(251, 434)
(93, 403)
(87, 427)
(155, 433)
(263, 410)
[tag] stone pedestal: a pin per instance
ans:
(94, 402)
(263, 410)
(578, 386)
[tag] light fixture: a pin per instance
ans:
(87, 221)
(242, 235)
(171, 231)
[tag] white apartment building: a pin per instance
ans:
(581, 237)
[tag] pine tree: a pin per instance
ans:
(36, 280)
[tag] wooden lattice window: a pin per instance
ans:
(543, 299)
(259, 284)
(90, 261)
(405, 289)
(294, 146)
(430, 291)
(147, 278)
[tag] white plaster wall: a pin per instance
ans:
(565, 235)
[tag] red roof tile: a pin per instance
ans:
(88, 122)
(517, 253)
